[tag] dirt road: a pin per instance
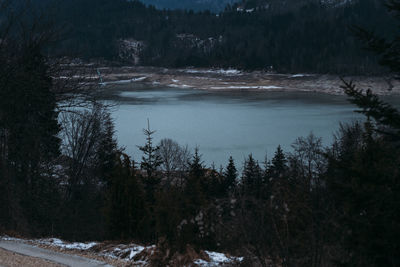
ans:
(12, 254)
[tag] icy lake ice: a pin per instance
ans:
(229, 123)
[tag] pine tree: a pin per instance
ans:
(252, 176)
(150, 160)
(125, 206)
(196, 183)
(363, 179)
(230, 176)
(196, 167)
(28, 136)
(107, 150)
(213, 188)
(278, 164)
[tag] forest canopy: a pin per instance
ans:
(302, 36)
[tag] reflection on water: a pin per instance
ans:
(226, 123)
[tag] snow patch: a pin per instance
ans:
(179, 86)
(124, 81)
(217, 259)
(61, 244)
(126, 252)
(214, 71)
(7, 238)
(245, 87)
(201, 262)
(299, 75)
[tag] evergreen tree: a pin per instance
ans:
(196, 184)
(278, 164)
(252, 176)
(214, 185)
(28, 136)
(230, 176)
(150, 160)
(364, 181)
(196, 167)
(125, 206)
(107, 150)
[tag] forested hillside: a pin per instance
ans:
(303, 37)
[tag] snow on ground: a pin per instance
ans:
(124, 81)
(217, 259)
(124, 252)
(131, 253)
(213, 71)
(245, 87)
(65, 245)
(7, 238)
(299, 75)
(180, 86)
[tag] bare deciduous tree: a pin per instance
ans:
(175, 158)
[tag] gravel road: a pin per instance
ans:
(12, 259)
(11, 254)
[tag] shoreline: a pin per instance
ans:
(234, 80)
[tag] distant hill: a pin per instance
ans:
(196, 5)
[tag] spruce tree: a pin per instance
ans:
(28, 130)
(150, 160)
(363, 180)
(252, 176)
(230, 176)
(278, 163)
(196, 167)
(125, 206)
(107, 150)
(196, 183)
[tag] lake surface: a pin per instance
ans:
(222, 124)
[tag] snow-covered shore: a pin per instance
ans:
(233, 79)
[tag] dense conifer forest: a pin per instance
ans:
(62, 173)
(302, 36)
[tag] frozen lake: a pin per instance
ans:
(225, 123)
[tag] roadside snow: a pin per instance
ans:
(7, 238)
(217, 259)
(126, 252)
(61, 244)
(202, 263)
